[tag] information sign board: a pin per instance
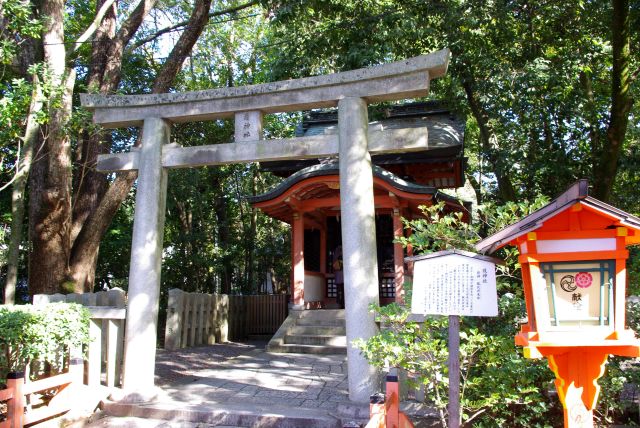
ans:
(454, 283)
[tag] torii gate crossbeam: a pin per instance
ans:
(351, 91)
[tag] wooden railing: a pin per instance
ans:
(106, 330)
(197, 319)
(59, 387)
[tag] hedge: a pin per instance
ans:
(44, 332)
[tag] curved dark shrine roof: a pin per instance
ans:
(332, 168)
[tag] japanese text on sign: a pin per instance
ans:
(454, 285)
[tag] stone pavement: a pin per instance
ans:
(246, 373)
(242, 385)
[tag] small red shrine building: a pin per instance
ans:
(309, 200)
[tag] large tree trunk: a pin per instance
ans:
(90, 185)
(18, 191)
(52, 223)
(51, 229)
(620, 101)
(96, 204)
(85, 249)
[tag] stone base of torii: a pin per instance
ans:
(351, 91)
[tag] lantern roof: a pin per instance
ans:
(577, 193)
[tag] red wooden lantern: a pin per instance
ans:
(573, 256)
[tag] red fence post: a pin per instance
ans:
(15, 406)
(393, 398)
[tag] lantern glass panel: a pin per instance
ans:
(580, 294)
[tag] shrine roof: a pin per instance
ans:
(445, 137)
(331, 167)
(578, 192)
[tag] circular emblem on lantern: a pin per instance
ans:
(583, 279)
(567, 283)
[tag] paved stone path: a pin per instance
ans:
(242, 385)
(246, 374)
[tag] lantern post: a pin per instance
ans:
(573, 256)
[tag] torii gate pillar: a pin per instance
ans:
(146, 257)
(358, 241)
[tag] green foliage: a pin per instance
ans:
(18, 25)
(29, 333)
(442, 230)
(620, 373)
(499, 386)
(439, 230)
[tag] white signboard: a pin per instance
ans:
(454, 283)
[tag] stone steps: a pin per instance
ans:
(295, 348)
(210, 414)
(320, 314)
(314, 329)
(316, 339)
(310, 322)
(311, 332)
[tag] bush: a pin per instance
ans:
(29, 333)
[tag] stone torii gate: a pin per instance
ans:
(351, 91)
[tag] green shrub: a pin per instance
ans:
(45, 333)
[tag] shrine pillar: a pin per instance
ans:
(297, 248)
(358, 242)
(146, 257)
(398, 257)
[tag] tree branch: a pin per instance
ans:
(113, 66)
(185, 23)
(197, 21)
(94, 25)
(131, 25)
(488, 140)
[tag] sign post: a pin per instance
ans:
(454, 371)
(454, 283)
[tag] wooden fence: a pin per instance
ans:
(106, 330)
(60, 388)
(264, 313)
(197, 319)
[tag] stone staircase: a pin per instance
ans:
(319, 331)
